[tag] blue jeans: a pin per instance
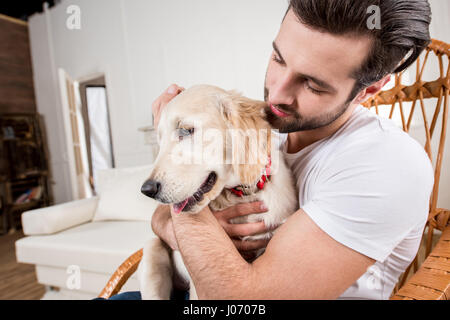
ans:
(136, 295)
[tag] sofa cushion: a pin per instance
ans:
(121, 197)
(59, 217)
(96, 246)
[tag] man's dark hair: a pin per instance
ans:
(404, 29)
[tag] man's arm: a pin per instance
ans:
(162, 226)
(301, 261)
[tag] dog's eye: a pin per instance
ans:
(183, 132)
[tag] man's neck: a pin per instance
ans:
(301, 139)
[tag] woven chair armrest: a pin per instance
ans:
(121, 276)
(432, 280)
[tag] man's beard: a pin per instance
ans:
(295, 122)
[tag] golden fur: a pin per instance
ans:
(214, 108)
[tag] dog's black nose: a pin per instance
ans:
(151, 188)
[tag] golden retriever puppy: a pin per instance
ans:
(216, 149)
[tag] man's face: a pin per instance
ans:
(308, 80)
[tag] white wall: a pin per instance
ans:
(142, 46)
(48, 103)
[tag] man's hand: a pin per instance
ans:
(247, 248)
(159, 104)
(162, 226)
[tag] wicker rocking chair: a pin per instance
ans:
(432, 280)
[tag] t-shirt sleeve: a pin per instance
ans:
(369, 196)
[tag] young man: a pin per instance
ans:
(364, 184)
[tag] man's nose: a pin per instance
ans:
(282, 92)
(151, 188)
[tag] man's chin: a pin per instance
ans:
(283, 125)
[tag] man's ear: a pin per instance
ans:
(372, 90)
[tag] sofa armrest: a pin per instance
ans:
(59, 217)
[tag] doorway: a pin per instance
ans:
(95, 113)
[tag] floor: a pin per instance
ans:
(17, 280)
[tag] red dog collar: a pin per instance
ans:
(239, 190)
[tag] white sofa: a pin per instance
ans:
(77, 246)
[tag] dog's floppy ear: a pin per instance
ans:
(248, 136)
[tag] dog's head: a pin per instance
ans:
(209, 139)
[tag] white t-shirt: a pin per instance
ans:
(368, 187)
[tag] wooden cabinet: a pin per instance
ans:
(24, 170)
(16, 72)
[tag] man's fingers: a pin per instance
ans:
(243, 209)
(250, 245)
(165, 98)
(170, 93)
(245, 229)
